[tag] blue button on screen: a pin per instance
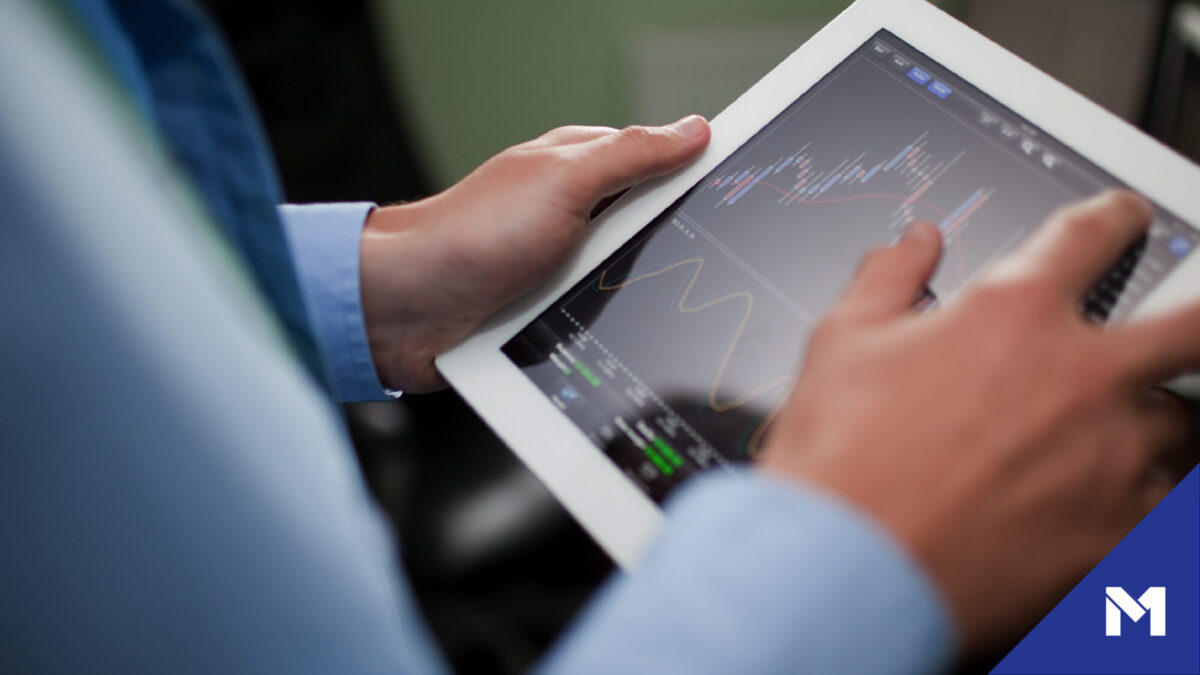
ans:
(919, 76)
(939, 89)
(1179, 245)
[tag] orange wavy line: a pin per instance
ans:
(713, 403)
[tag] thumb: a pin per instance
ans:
(617, 161)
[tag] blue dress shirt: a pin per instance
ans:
(324, 240)
(177, 495)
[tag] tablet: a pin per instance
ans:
(665, 347)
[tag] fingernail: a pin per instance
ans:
(692, 126)
(1142, 205)
(1142, 208)
(918, 232)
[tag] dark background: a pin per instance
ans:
(498, 566)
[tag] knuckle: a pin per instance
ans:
(556, 135)
(825, 335)
(517, 158)
(833, 327)
(1017, 299)
(567, 130)
(641, 137)
(575, 132)
(554, 161)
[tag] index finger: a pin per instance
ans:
(1079, 243)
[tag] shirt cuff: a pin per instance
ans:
(324, 241)
(757, 574)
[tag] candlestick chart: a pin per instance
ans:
(700, 322)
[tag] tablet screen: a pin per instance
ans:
(674, 354)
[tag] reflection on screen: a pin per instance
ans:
(675, 353)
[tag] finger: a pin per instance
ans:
(1079, 243)
(570, 135)
(890, 280)
(1165, 423)
(1170, 444)
(1157, 349)
(1152, 494)
(617, 161)
(1180, 464)
(1154, 429)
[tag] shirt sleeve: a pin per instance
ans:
(324, 240)
(755, 575)
(177, 495)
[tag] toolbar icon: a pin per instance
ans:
(1179, 245)
(919, 76)
(939, 89)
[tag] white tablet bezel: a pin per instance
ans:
(592, 488)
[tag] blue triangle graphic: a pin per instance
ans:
(1163, 550)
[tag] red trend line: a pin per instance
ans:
(920, 191)
(869, 195)
(955, 230)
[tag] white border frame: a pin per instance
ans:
(608, 505)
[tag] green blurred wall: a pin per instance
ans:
(477, 76)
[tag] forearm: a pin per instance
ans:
(755, 575)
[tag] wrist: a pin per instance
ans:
(396, 269)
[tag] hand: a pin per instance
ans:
(433, 270)
(1008, 443)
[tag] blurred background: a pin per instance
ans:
(390, 100)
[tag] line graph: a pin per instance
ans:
(691, 332)
(868, 195)
(843, 206)
(682, 306)
(905, 176)
(865, 199)
(911, 182)
(818, 212)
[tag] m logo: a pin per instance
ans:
(1152, 602)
